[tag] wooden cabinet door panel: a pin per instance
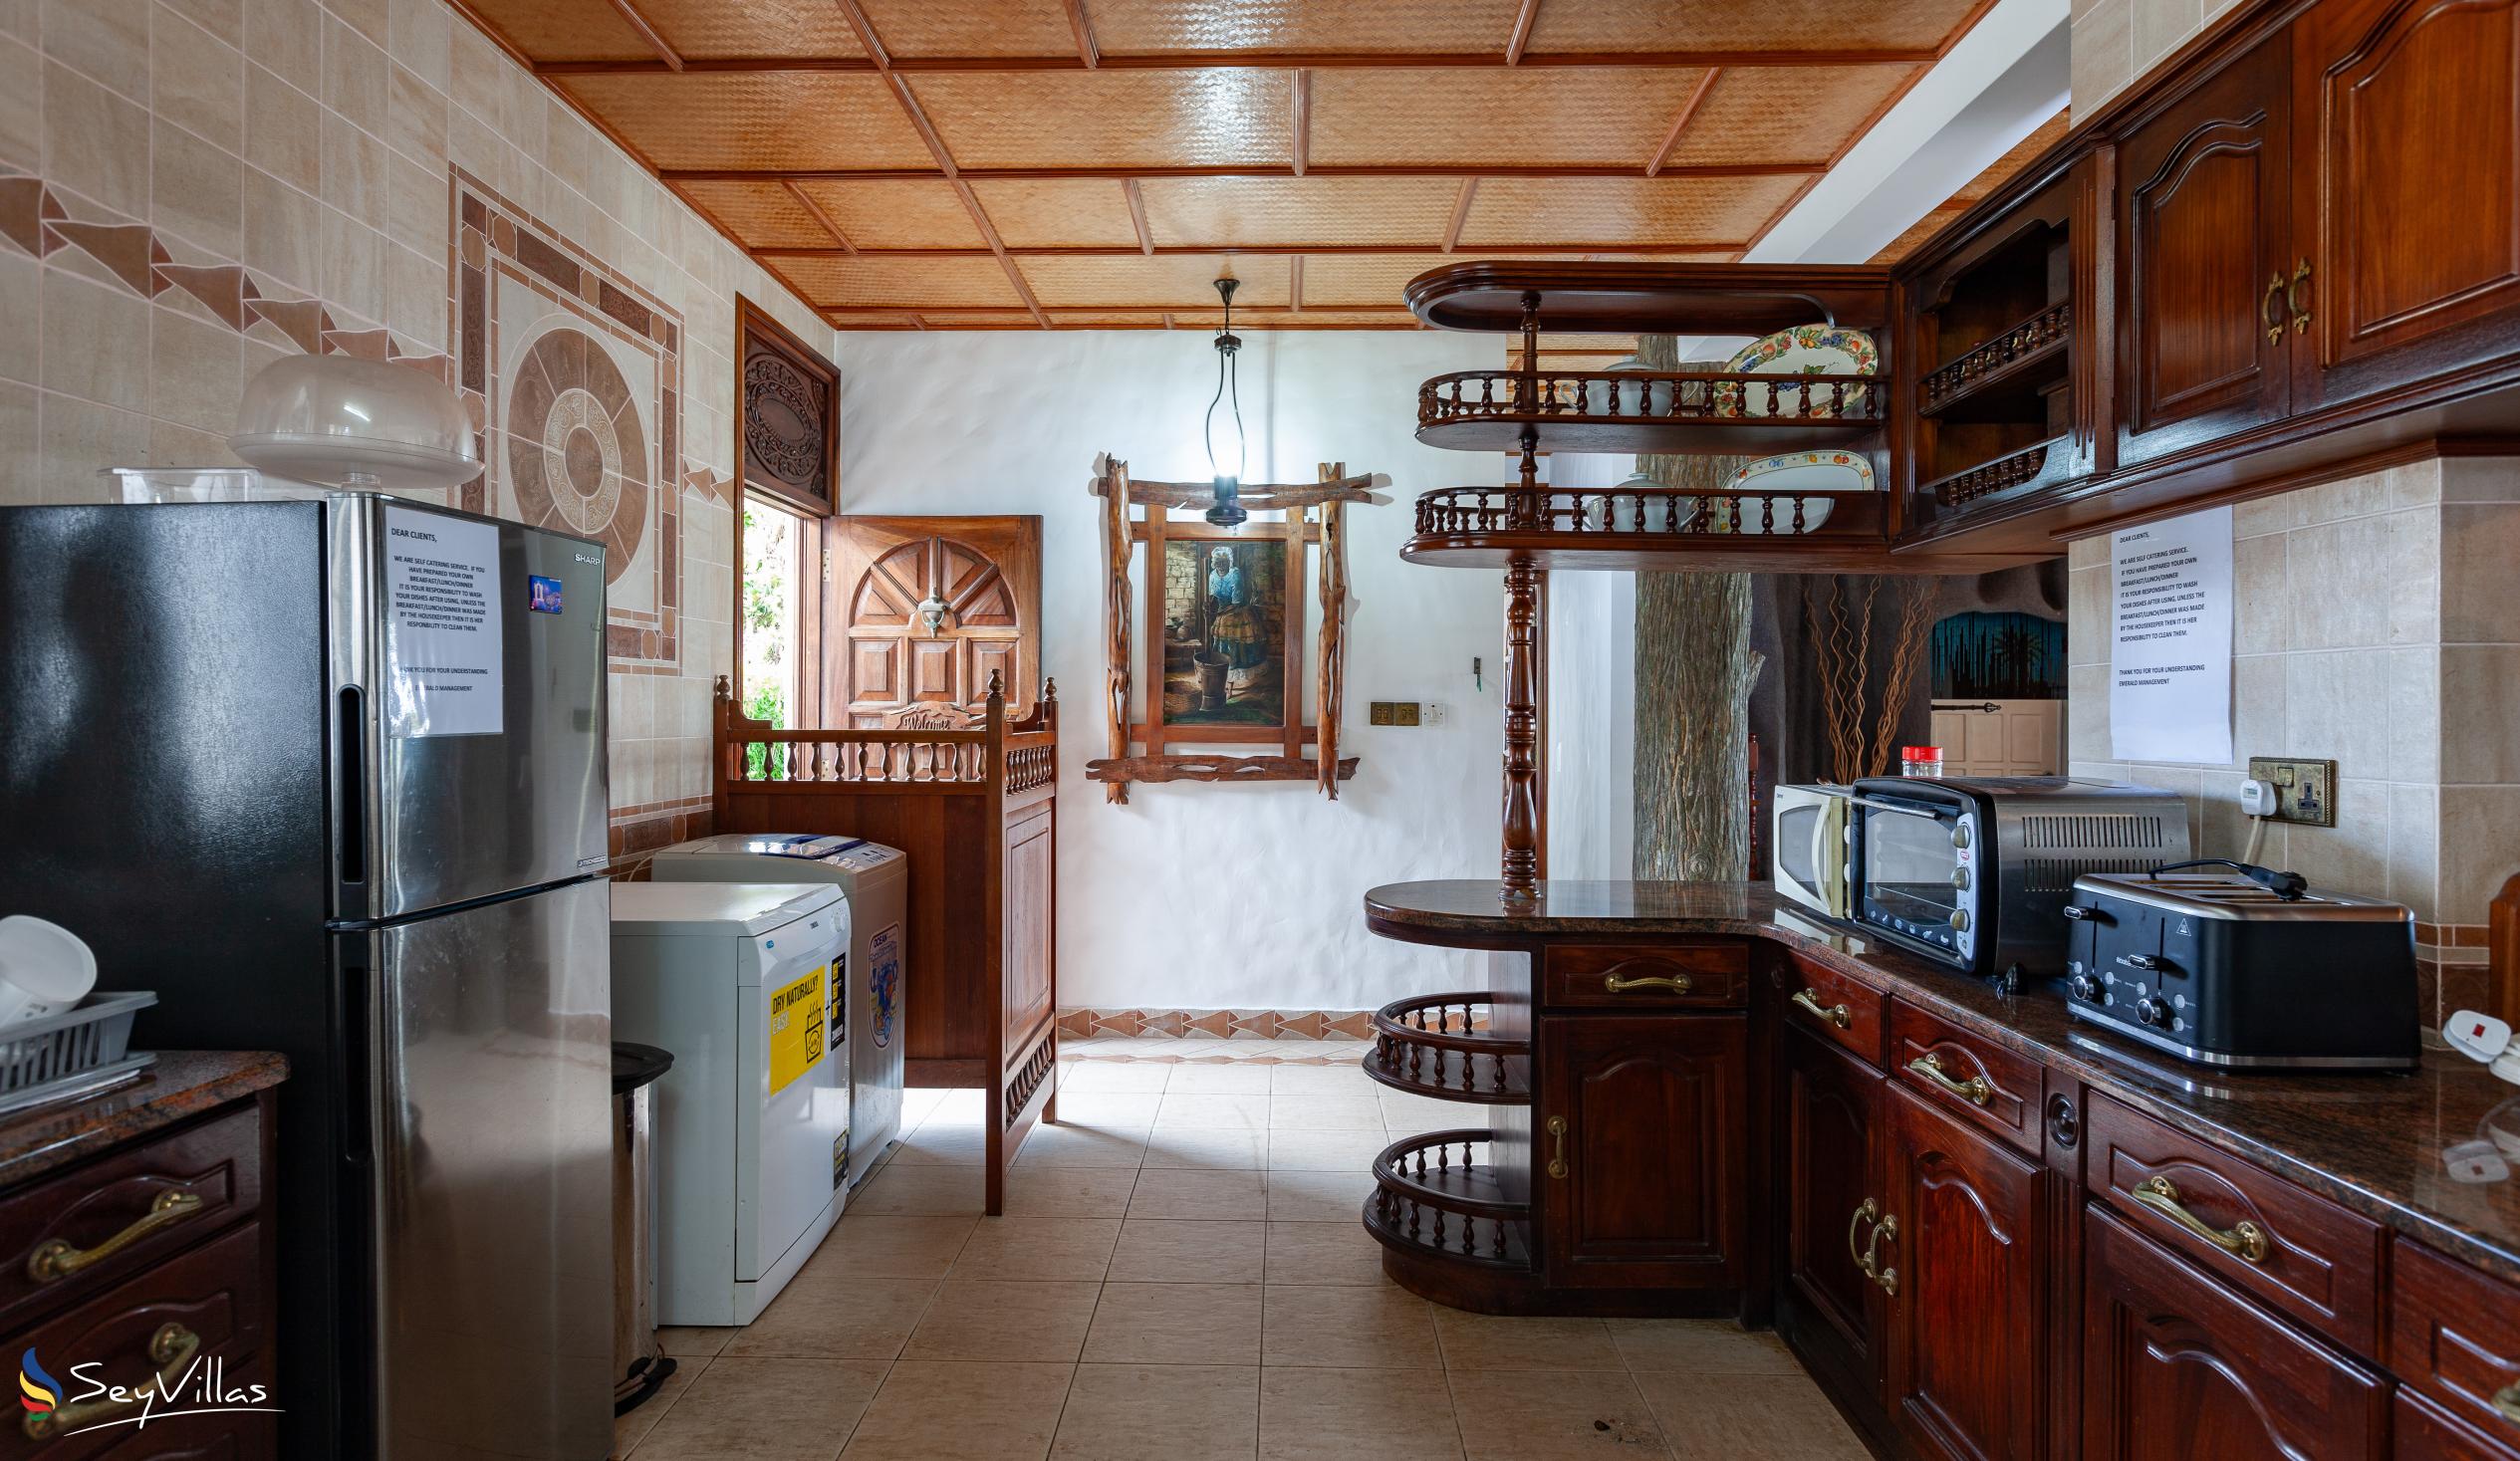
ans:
(2176, 1366)
(1966, 1321)
(2408, 197)
(2204, 224)
(1831, 1114)
(2427, 1432)
(1656, 1158)
(1026, 918)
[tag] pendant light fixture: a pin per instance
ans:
(1226, 511)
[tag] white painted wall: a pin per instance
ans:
(1197, 895)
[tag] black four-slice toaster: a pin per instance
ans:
(2245, 969)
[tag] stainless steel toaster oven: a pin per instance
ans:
(1976, 872)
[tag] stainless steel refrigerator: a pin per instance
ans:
(329, 777)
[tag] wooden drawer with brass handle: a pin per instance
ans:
(86, 1228)
(1847, 1011)
(1648, 976)
(2454, 1337)
(1961, 1073)
(2291, 1250)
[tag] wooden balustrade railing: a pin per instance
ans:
(1022, 753)
(1610, 396)
(1661, 512)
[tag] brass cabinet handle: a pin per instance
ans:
(57, 1260)
(1974, 1089)
(1867, 1258)
(2293, 298)
(2246, 1241)
(2506, 1402)
(2267, 307)
(1871, 1211)
(1676, 983)
(1557, 1163)
(1838, 1015)
(170, 1349)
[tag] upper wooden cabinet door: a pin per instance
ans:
(882, 657)
(1966, 1322)
(2408, 199)
(1643, 1151)
(1830, 1173)
(2204, 226)
(2176, 1366)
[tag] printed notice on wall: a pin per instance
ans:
(444, 659)
(2169, 647)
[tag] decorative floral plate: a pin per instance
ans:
(1796, 472)
(1805, 350)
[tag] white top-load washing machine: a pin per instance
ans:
(741, 982)
(877, 880)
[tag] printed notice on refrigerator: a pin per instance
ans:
(444, 661)
(2169, 644)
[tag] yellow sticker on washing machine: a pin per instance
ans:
(796, 1028)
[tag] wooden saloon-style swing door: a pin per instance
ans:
(925, 611)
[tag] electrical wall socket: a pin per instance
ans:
(1437, 713)
(2305, 791)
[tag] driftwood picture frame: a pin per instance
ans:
(1224, 658)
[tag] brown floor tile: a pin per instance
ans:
(1325, 1152)
(948, 1191)
(897, 1247)
(1109, 1110)
(972, 1319)
(1220, 1080)
(1319, 1197)
(1208, 1149)
(1216, 1196)
(1161, 1412)
(1500, 1341)
(1343, 1254)
(1749, 1415)
(1083, 1146)
(943, 1146)
(1346, 1414)
(1247, 1112)
(629, 1430)
(1039, 1249)
(1386, 1329)
(685, 1342)
(1700, 1346)
(828, 1320)
(942, 1412)
(764, 1410)
(1056, 1191)
(1359, 1111)
(1175, 1324)
(1546, 1415)
(1187, 1252)
(1114, 1075)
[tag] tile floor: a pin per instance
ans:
(1180, 1276)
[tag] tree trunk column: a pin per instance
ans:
(1522, 649)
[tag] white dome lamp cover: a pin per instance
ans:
(343, 422)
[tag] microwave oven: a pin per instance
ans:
(1975, 873)
(1807, 845)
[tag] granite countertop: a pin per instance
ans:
(182, 1083)
(2374, 1143)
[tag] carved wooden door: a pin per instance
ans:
(2206, 227)
(2177, 1366)
(1966, 1322)
(1832, 1109)
(2407, 202)
(920, 611)
(1643, 1140)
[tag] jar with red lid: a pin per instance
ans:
(1924, 761)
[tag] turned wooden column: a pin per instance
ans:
(1521, 873)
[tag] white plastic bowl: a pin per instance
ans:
(45, 969)
(343, 422)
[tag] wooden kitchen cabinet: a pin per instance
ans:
(2406, 200)
(1828, 1187)
(1962, 1271)
(2204, 225)
(2177, 1365)
(1642, 1137)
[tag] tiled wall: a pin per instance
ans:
(191, 188)
(2115, 41)
(2375, 625)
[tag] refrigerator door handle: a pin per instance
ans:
(350, 793)
(354, 1113)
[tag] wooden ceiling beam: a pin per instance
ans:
(1239, 169)
(1295, 283)
(1302, 147)
(656, 40)
(1460, 213)
(1237, 60)
(1133, 251)
(1087, 50)
(1680, 122)
(816, 211)
(1523, 22)
(1137, 215)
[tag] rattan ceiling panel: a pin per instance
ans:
(1032, 213)
(715, 28)
(978, 318)
(1801, 115)
(1162, 280)
(1305, 318)
(565, 30)
(1768, 25)
(1522, 117)
(902, 213)
(900, 283)
(765, 215)
(1507, 211)
(1353, 27)
(1257, 211)
(925, 28)
(1113, 119)
(777, 119)
(1366, 279)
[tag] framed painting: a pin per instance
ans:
(1228, 659)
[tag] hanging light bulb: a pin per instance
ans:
(1226, 511)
